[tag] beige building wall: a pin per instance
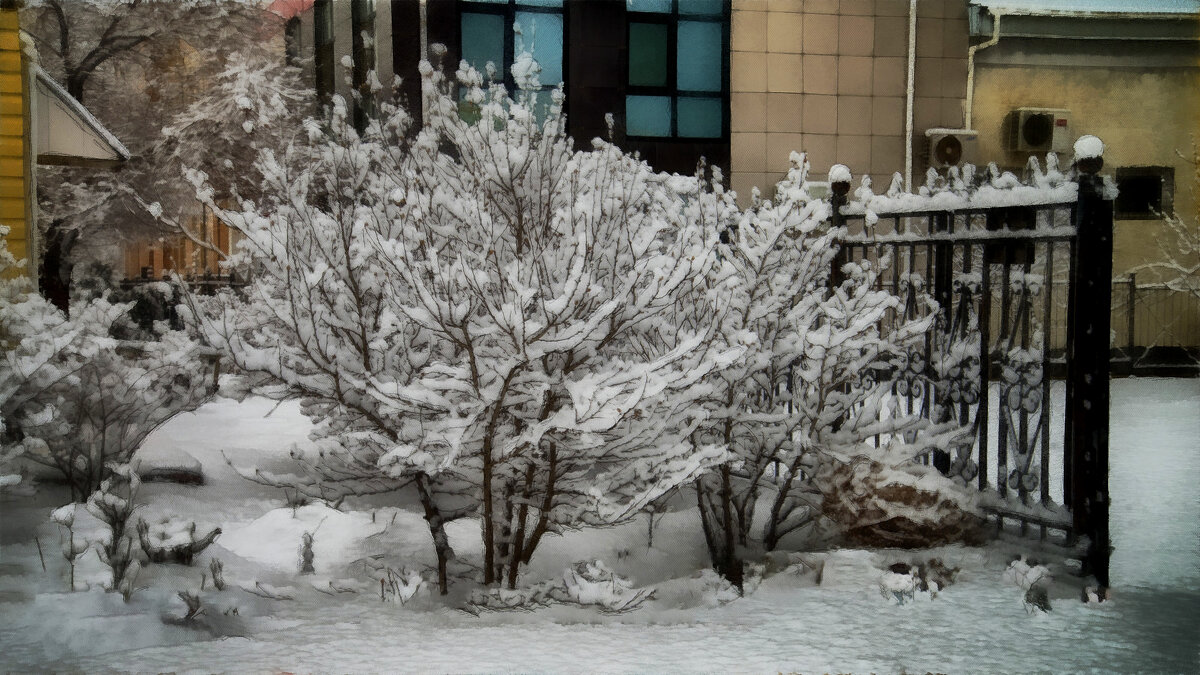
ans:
(1144, 118)
(830, 77)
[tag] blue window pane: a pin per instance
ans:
(659, 6)
(648, 54)
(699, 117)
(541, 3)
(699, 56)
(541, 34)
(703, 7)
(483, 41)
(648, 115)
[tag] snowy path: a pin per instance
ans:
(978, 625)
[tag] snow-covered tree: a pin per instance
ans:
(554, 276)
(33, 336)
(91, 406)
(317, 317)
(257, 102)
(480, 312)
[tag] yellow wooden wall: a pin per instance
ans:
(12, 136)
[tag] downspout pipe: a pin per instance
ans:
(970, 103)
(908, 117)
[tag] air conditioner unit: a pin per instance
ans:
(951, 147)
(1040, 130)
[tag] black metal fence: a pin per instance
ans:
(1001, 276)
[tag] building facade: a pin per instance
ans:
(882, 86)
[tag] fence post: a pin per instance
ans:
(1088, 368)
(839, 197)
(943, 292)
(1130, 315)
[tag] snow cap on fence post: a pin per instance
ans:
(1089, 154)
(839, 179)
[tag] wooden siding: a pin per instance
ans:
(13, 138)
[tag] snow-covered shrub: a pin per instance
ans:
(98, 399)
(482, 313)
(814, 384)
(33, 337)
(775, 263)
(587, 584)
(113, 504)
(173, 541)
(71, 548)
(401, 585)
(217, 569)
(1035, 579)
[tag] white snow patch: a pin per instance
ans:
(1088, 146)
(274, 540)
(840, 173)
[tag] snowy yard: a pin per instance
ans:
(788, 623)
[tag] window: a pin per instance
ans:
(678, 81)
(323, 46)
(1146, 192)
(497, 31)
(362, 20)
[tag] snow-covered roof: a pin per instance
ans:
(1077, 7)
(67, 132)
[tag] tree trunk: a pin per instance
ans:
(731, 561)
(771, 534)
(54, 279)
(437, 529)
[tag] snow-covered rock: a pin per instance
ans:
(169, 464)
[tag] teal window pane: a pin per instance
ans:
(483, 41)
(648, 54)
(699, 117)
(699, 56)
(542, 35)
(541, 3)
(659, 6)
(648, 115)
(700, 7)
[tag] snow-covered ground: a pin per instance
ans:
(789, 623)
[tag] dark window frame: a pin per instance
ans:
(508, 11)
(1166, 201)
(323, 48)
(364, 58)
(672, 19)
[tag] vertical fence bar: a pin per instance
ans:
(1130, 310)
(985, 361)
(1006, 342)
(1088, 368)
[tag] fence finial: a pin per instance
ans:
(1089, 154)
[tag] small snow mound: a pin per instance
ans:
(1088, 146)
(840, 173)
(274, 539)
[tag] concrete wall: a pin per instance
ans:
(829, 77)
